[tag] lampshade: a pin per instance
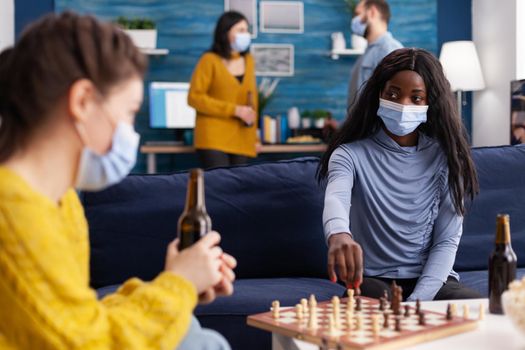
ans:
(461, 65)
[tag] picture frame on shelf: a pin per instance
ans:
(248, 8)
(282, 17)
(273, 60)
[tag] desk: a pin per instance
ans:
(495, 332)
(151, 151)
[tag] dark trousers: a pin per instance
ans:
(374, 287)
(214, 159)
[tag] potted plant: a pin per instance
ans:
(142, 31)
(266, 91)
(306, 119)
(319, 116)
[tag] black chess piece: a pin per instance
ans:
(422, 321)
(398, 324)
(385, 320)
(407, 311)
(418, 306)
(449, 312)
(381, 304)
(357, 304)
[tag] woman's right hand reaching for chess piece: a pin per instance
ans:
(346, 257)
(246, 114)
(205, 265)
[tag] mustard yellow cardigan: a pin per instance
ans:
(214, 93)
(45, 298)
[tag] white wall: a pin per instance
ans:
(520, 39)
(494, 31)
(7, 23)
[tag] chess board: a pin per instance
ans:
(436, 326)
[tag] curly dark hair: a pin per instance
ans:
(221, 45)
(443, 121)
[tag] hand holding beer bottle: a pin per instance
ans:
(200, 260)
(194, 221)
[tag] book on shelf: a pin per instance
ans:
(275, 129)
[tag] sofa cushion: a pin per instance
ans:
(253, 296)
(501, 173)
(269, 216)
(478, 280)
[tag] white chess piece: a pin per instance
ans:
(275, 309)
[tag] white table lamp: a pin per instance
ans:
(461, 65)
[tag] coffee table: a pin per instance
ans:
(495, 332)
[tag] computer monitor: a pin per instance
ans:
(168, 106)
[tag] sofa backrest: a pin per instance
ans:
(269, 216)
(501, 173)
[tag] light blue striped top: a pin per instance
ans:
(396, 204)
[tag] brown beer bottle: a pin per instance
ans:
(194, 221)
(502, 264)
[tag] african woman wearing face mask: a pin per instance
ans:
(224, 93)
(67, 113)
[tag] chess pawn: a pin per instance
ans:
(359, 322)
(349, 322)
(332, 329)
(453, 310)
(385, 320)
(350, 294)
(358, 304)
(275, 309)
(407, 311)
(466, 312)
(481, 314)
(299, 313)
(422, 321)
(449, 316)
(398, 324)
(304, 304)
(375, 325)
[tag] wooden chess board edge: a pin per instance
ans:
(390, 344)
(313, 337)
(422, 337)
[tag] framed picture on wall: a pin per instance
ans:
(248, 8)
(517, 112)
(273, 60)
(282, 17)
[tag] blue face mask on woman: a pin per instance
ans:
(358, 27)
(401, 119)
(241, 42)
(96, 172)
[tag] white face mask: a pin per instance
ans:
(401, 119)
(241, 42)
(96, 172)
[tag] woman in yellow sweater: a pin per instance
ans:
(223, 91)
(67, 113)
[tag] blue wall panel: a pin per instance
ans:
(186, 26)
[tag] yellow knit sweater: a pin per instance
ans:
(214, 93)
(45, 298)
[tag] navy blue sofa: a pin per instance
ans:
(269, 216)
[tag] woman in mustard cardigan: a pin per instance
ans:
(67, 113)
(223, 91)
